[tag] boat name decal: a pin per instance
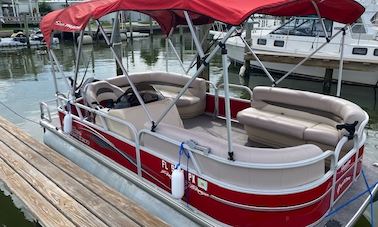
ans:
(341, 185)
(196, 189)
(70, 26)
(166, 173)
(78, 135)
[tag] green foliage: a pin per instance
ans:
(44, 8)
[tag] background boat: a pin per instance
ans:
(282, 47)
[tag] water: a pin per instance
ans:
(10, 215)
(25, 80)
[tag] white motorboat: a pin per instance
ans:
(283, 47)
(18, 39)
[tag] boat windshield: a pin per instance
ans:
(304, 26)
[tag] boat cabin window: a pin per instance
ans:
(279, 43)
(360, 51)
(304, 26)
(261, 41)
(358, 27)
(375, 52)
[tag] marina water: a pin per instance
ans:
(25, 80)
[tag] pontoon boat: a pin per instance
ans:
(282, 158)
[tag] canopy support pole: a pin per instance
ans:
(258, 60)
(177, 55)
(194, 35)
(60, 69)
(115, 39)
(166, 55)
(132, 85)
(227, 101)
(321, 20)
(198, 72)
(77, 62)
(53, 71)
(167, 50)
(195, 56)
(308, 57)
(341, 65)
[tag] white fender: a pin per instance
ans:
(67, 123)
(178, 183)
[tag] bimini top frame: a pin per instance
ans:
(170, 14)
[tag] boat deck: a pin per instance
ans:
(217, 128)
(56, 192)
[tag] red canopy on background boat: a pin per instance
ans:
(169, 13)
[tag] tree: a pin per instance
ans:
(44, 8)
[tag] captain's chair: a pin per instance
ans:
(101, 93)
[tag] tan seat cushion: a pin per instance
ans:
(97, 92)
(323, 133)
(299, 114)
(275, 122)
(190, 105)
(137, 117)
(185, 100)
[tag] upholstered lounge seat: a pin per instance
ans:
(100, 92)
(190, 105)
(285, 117)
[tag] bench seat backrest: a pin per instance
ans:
(318, 104)
(197, 87)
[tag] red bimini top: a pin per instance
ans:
(169, 13)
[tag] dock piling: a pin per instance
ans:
(327, 82)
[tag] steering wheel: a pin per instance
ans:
(129, 99)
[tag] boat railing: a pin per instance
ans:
(361, 210)
(61, 101)
(220, 86)
(249, 165)
(238, 86)
(45, 109)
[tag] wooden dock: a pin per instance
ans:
(56, 192)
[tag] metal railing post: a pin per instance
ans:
(227, 102)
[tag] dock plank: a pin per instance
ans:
(55, 195)
(120, 202)
(90, 201)
(34, 202)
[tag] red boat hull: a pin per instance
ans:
(223, 204)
